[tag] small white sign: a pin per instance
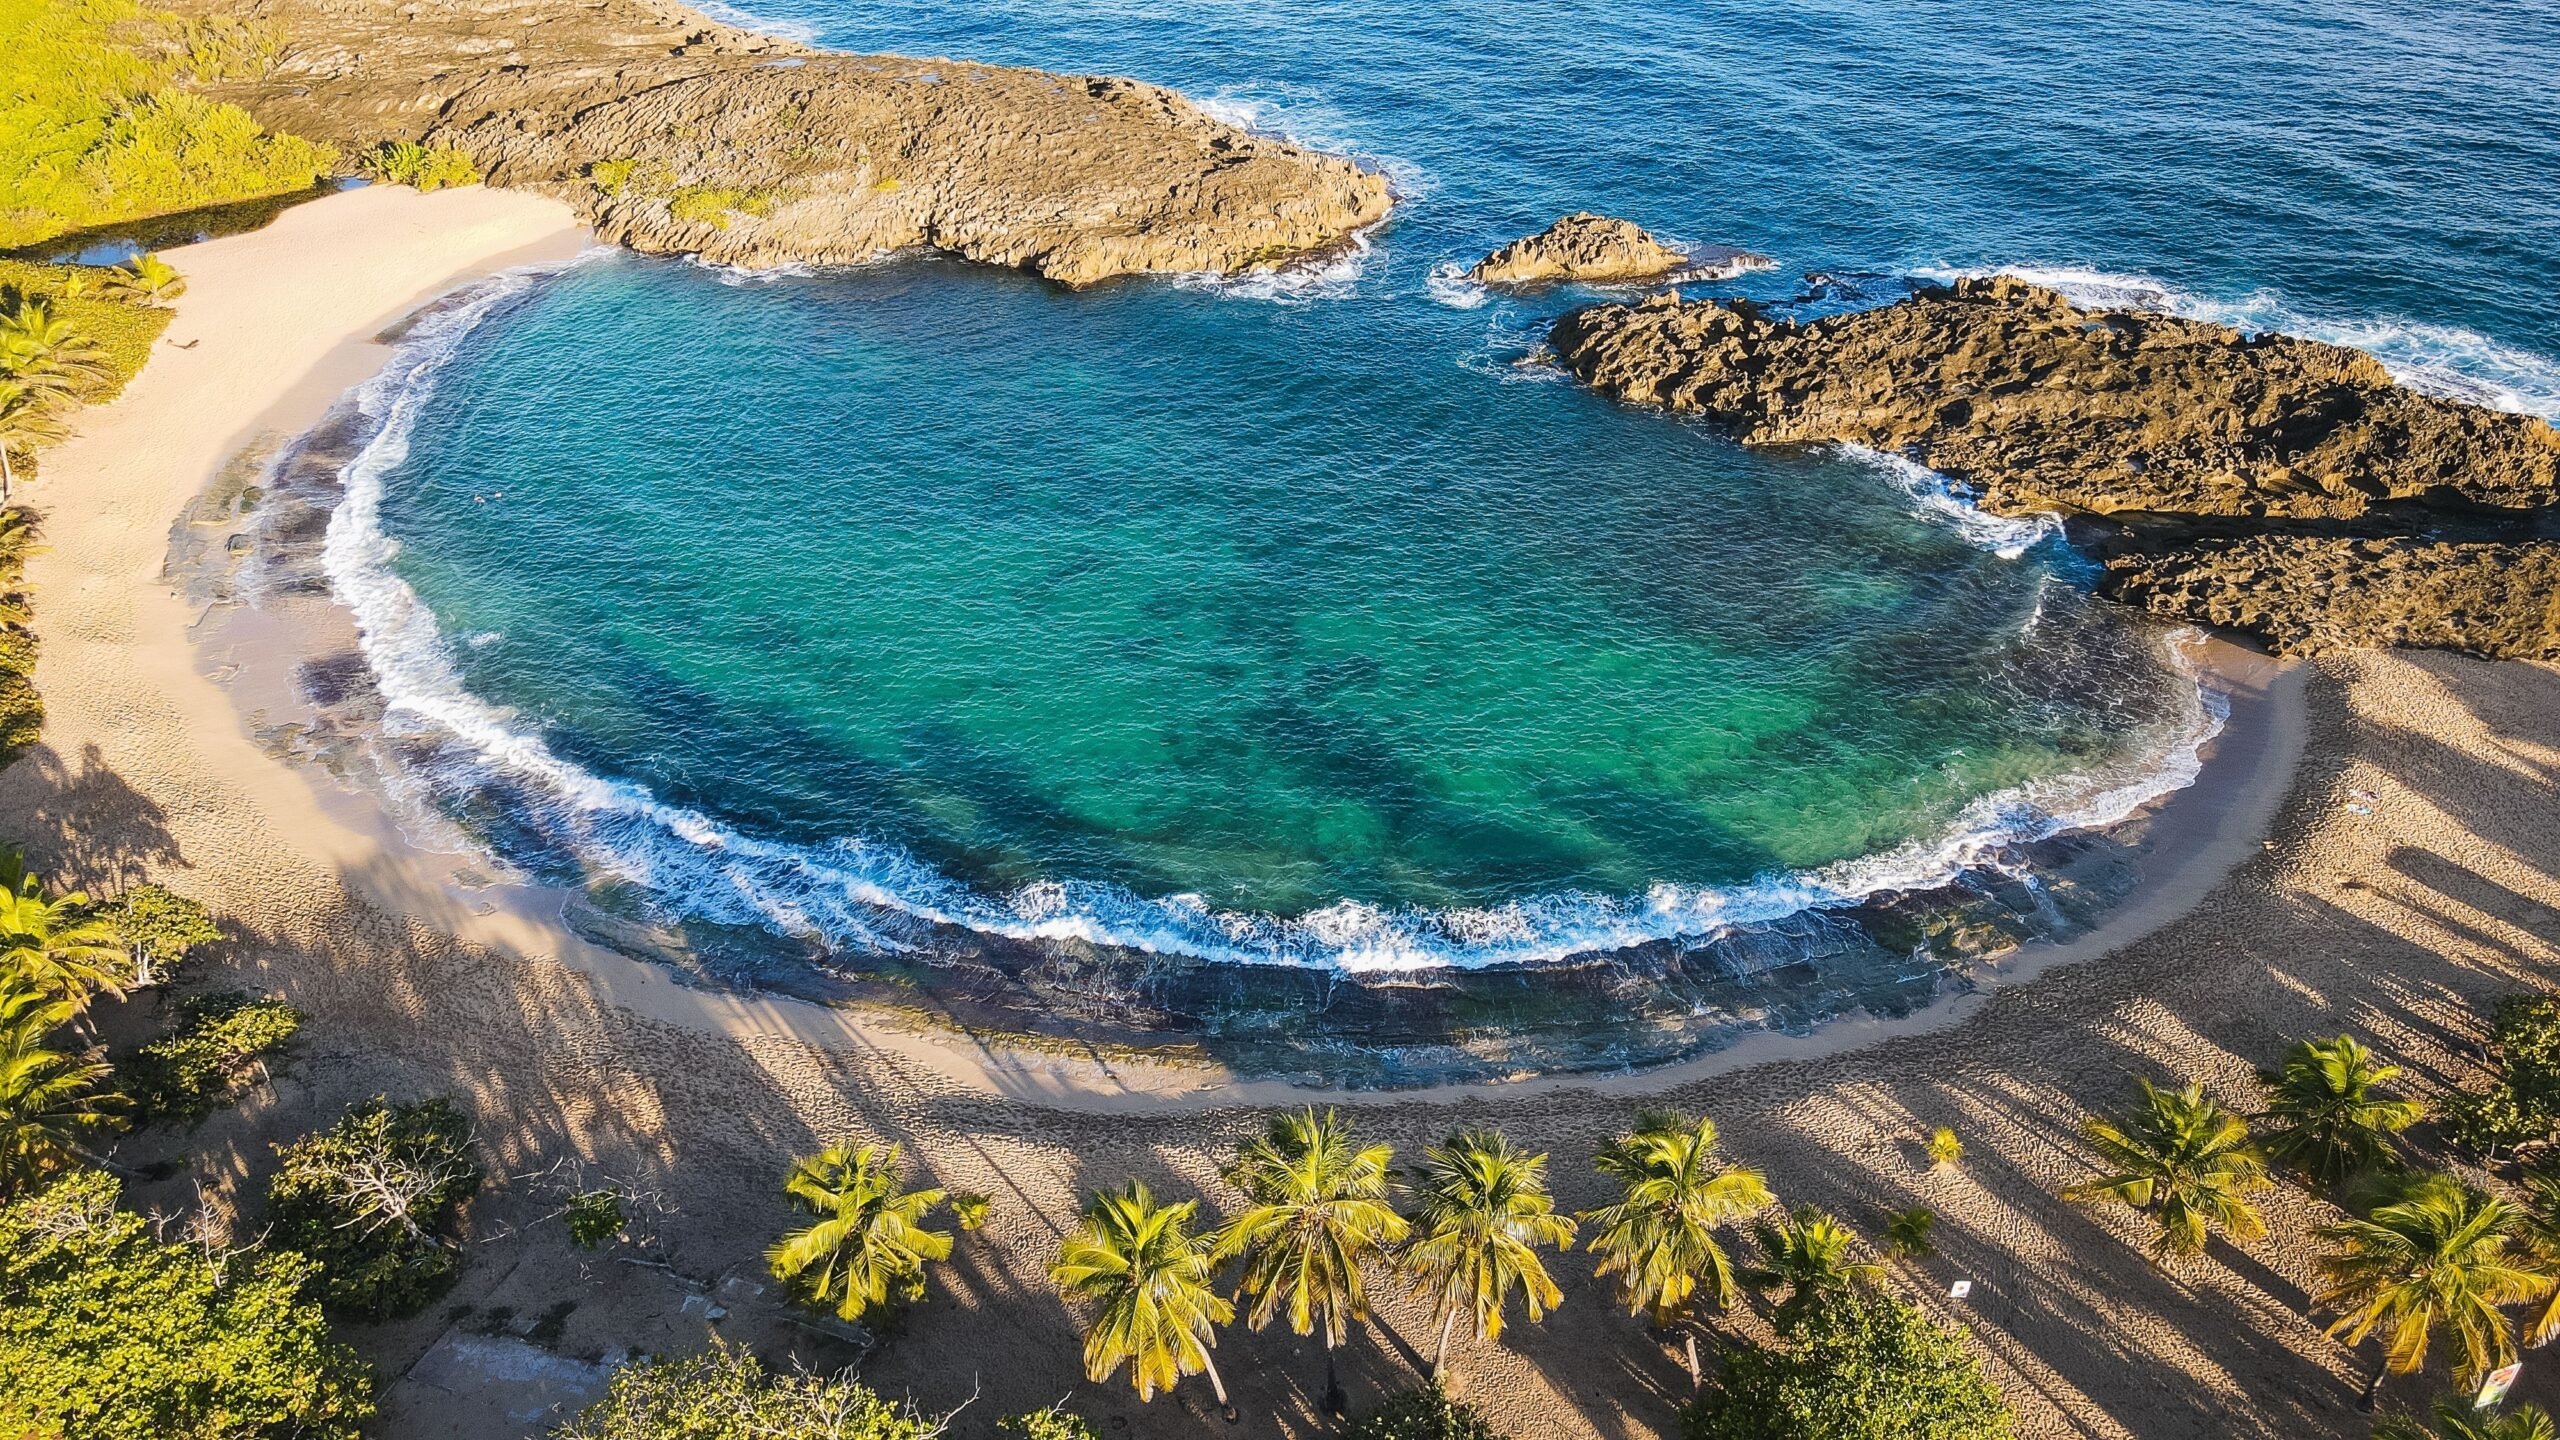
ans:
(1960, 1289)
(2495, 1388)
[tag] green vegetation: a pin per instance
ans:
(85, 299)
(1811, 1256)
(49, 1098)
(594, 1216)
(2186, 1159)
(52, 944)
(1659, 1238)
(1144, 1277)
(21, 708)
(1425, 1414)
(870, 1245)
(421, 167)
(1945, 1149)
(2521, 1107)
(1483, 1215)
(713, 205)
(107, 1334)
(1867, 1368)
(969, 1210)
(2330, 1114)
(2456, 1419)
(726, 1394)
(375, 1199)
(1317, 1211)
(1054, 1423)
(97, 127)
(216, 1046)
(1906, 1233)
(146, 279)
(2437, 1255)
(158, 930)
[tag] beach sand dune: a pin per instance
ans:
(2399, 923)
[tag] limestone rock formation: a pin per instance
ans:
(671, 133)
(2305, 594)
(1597, 249)
(2265, 483)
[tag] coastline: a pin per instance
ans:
(2286, 914)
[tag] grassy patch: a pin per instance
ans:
(96, 125)
(714, 204)
(122, 329)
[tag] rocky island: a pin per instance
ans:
(2266, 483)
(1600, 250)
(670, 133)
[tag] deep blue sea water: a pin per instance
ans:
(1308, 617)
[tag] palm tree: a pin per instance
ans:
(30, 416)
(43, 349)
(2188, 1156)
(1147, 1278)
(1659, 1237)
(54, 946)
(147, 278)
(2457, 1419)
(2537, 1236)
(2330, 1115)
(1318, 1212)
(1483, 1212)
(1810, 1254)
(871, 1239)
(2439, 1253)
(48, 1096)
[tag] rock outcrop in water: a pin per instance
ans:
(2265, 483)
(1599, 250)
(673, 134)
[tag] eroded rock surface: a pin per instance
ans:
(671, 133)
(1599, 250)
(2265, 483)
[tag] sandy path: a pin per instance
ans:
(2396, 923)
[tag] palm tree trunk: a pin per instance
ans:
(1210, 1366)
(8, 475)
(2373, 1390)
(1440, 1354)
(1335, 1402)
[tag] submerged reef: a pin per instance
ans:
(672, 134)
(2280, 486)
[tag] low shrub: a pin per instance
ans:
(1866, 1367)
(216, 1046)
(726, 1394)
(1054, 1423)
(2521, 1107)
(375, 1199)
(1425, 1414)
(421, 167)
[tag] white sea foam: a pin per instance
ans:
(2443, 360)
(735, 275)
(1448, 284)
(1301, 117)
(1333, 274)
(840, 888)
(740, 17)
(1937, 497)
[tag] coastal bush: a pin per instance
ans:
(726, 1394)
(108, 1334)
(2521, 1107)
(1867, 1368)
(713, 205)
(2456, 1418)
(217, 1044)
(21, 708)
(159, 929)
(594, 1217)
(97, 127)
(870, 1244)
(376, 1199)
(1425, 1414)
(1055, 1423)
(421, 167)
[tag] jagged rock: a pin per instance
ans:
(2040, 405)
(2263, 483)
(671, 133)
(1597, 249)
(2307, 593)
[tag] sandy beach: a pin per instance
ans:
(2271, 911)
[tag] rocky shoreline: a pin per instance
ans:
(672, 134)
(2277, 486)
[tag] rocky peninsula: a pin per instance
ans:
(2275, 485)
(670, 133)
